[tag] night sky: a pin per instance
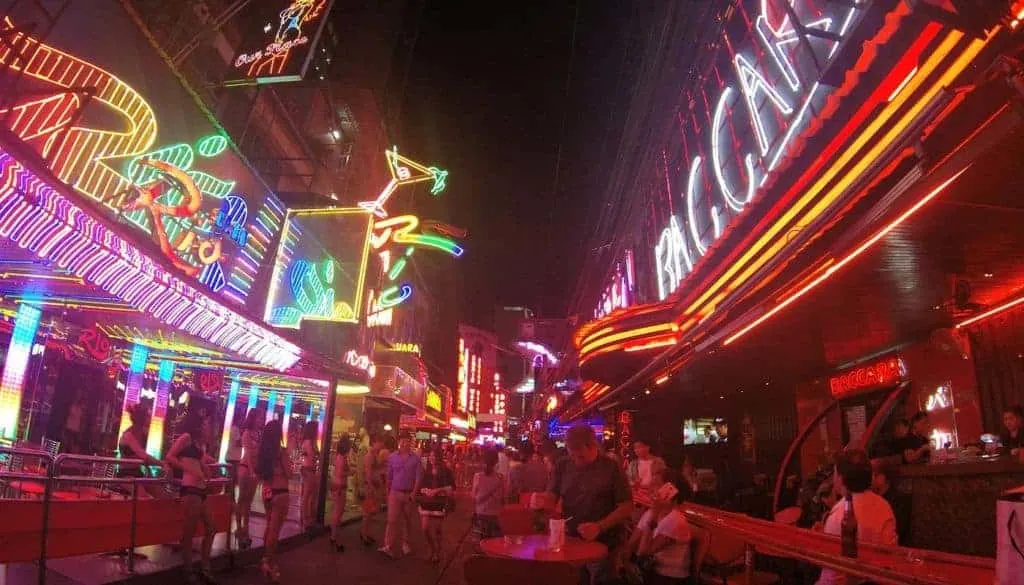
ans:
(485, 98)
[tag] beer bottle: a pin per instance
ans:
(848, 530)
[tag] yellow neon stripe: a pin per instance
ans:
(624, 335)
(876, 151)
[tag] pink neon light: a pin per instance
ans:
(994, 311)
(38, 218)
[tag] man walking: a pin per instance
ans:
(404, 473)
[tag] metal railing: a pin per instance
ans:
(880, 563)
(51, 476)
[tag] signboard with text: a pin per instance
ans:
(279, 40)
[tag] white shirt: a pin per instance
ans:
(674, 559)
(875, 524)
(643, 470)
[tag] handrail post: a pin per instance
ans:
(131, 529)
(748, 561)
(46, 519)
(233, 469)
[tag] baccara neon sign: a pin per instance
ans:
(777, 95)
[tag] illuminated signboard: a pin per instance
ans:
(619, 292)
(406, 347)
(143, 149)
(875, 376)
(759, 93)
(320, 267)
(433, 402)
(281, 42)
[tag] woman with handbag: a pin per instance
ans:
(437, 494)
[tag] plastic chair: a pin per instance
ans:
(483, 570)
(725, 558)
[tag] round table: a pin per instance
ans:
(534, 547)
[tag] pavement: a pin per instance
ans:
(316, 562)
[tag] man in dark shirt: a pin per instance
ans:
(917, 445)
(595, 495)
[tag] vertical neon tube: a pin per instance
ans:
(229, 418)
(287, 417)
(271, 405)
(254, 398)
(320, 427)
(26, 323)
(133, 385)
(155, 439)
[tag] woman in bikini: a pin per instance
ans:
(247, 474)
(188, 455)
(272, 468)
(310, 475)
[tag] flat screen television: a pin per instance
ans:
(705, 431)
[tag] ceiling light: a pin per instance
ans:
(648, 392)
(989, 275)
(335, 134)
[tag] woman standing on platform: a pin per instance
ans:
(188, 455)
(247, 474)
(310, 476)
(272, 468)
(339, 489)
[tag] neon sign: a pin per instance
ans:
(939, 399)
(401, 230)
(887, 372)
(406, 347)
(800, 38)
(39, 219)
(432, 401)
(111, 160)
(286, 55)
(95, 342)
(619, 293)
(360, 362)
(172, 194)
(320, 267)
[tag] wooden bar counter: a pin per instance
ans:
(954, 504)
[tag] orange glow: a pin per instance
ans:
(849, 258)
(662, 380)
(991, 312)
(650, 345)
(629, 333)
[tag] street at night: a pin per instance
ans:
(437, 292)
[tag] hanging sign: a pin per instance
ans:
(881, 374)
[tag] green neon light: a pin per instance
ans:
(396, 269)
(440, 180)
(212, 145)
(436, 242)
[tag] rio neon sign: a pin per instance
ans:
(291, 33)
(795, 36)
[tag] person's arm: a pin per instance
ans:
(418, 480)
(286, 468)
(172, 455)
(447, 484)
(139, 451)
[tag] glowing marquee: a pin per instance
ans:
(286, 55)
(776, 98)
(619, 292)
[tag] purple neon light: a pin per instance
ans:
(40, 219)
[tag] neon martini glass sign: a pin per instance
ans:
(776, 112)
(402, 230)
